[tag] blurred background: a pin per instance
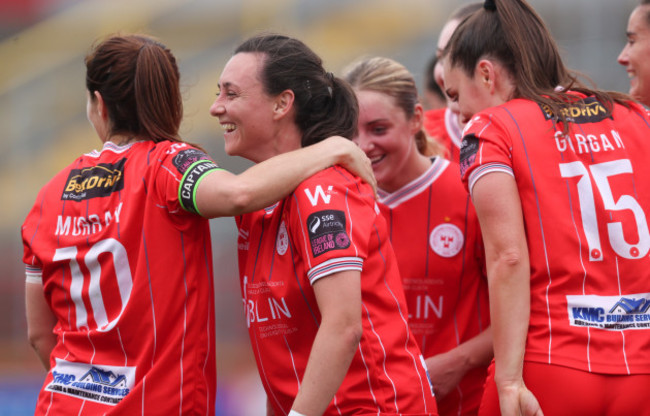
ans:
(43, 125)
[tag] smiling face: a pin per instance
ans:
(244, 109)
(634, 56)
(387, 138)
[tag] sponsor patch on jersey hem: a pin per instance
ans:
(106, 384)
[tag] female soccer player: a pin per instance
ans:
(559, 177)
(117, 246)
(434, 231)
(323, 297)
(634, 56)
(443, 124)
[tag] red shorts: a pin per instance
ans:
(566, 391)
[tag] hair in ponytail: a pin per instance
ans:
(139, 81)
(325, 105)
(511, 32)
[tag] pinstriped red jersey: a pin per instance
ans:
(585, 198)
(128, 274)
(436, 238)
(329, 224)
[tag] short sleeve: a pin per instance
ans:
(33, 265)
(183, 169)
(331, 219)
(485, 148)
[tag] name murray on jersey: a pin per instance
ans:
(86, 225)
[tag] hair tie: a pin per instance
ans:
(490, 5)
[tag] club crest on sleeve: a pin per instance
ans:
(327, 232)
(446, 240)
(282, 239)
(468, 151)
(185, 158)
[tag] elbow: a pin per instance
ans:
(509, 261)
(37, 338)
(241, 201)
(511, 258)
(351, 334)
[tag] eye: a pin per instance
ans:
(379, 130)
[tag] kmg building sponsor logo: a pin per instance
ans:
(613, 313)
(100, 383)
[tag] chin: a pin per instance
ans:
(231, 148)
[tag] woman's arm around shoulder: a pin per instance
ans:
(221, 193)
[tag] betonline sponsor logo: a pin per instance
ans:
(94, 181)
(612, 313)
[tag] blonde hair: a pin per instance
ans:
(386, 76)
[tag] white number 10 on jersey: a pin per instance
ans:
(122, 276)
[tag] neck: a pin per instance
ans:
(120, 139)
(284, 141)
(414, 167)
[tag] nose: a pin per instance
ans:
(217, 108)
(622, 57)
(364, 142)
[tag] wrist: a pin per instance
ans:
(338, 153)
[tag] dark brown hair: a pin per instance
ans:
(515, 35)
(325, 105)
(139, 81)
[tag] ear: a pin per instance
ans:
(486, 73)
(283, 104)
(101, 106)
(417, 119)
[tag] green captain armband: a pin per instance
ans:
(190, 183)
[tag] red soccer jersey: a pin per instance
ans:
(442, 125)
(437, 241)
(128, 274)
(584, 198)
(329, 224)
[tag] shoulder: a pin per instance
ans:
(330, 184)
(333, 176)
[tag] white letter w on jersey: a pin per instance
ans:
(319, 192)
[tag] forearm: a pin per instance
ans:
(43, 347)
(339, 301)
(475, 352)
(40, 323)
(497, 203)
(509, 296)
(223, 194)
(328, 363)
